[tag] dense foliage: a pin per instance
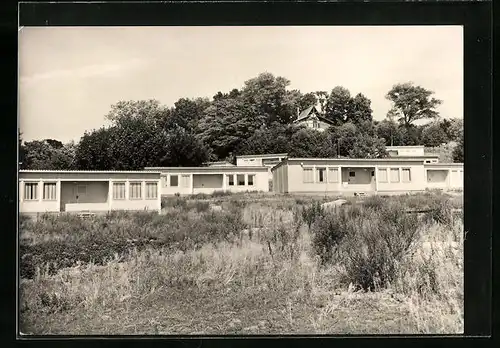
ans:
(255, 119)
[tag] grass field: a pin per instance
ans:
(247, 264)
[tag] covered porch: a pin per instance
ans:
(358, 179)
(79, 196)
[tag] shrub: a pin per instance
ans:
(374, 202)
(375, 244)
(440, 212)
(327, 231)
(201, 206)
(221, 193)
(312, 212)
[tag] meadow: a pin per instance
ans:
(247, 264)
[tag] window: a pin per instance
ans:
(352, 174)
(185, 181)
(427, 161)
(241, 179)
(174, 180)
(118, 190)
(382, 175)
(49, 191)
(308, 175)
(31, 191)
(250, 179)
(151, 190)
(405, 172)
(321, 174)
(373, 173)
(230, 179)
(165, 181)
(135, 190)
(333, 175)
(394, 174)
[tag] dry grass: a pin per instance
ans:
(267, 279)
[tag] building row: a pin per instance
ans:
(407, 169)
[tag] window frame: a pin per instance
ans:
(238, 176)
(335, 176)
(321, 170)
(30, 183)
(130, 190)
(353, 172)
(250, 182)
(185, 181)
(116, 184)
(230, 179)
(147, 184)
(395, 170)
(379, 170)
(403, 177)
(170, 176)
(307, 170)
(54, 183)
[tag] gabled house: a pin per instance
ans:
(311, 118)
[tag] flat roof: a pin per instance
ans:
(343, 160)
(267, 155)
(443, 165)
(89, 171)
(405, 146)
(209, 169)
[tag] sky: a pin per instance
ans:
(69, 77)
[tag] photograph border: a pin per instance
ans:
(475, 17)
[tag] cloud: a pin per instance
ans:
(85, 71)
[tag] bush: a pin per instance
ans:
(440, 212)
(374, 202)
(327, 231)
(312, 212)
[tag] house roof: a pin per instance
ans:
(233, 169)
(344, 160)
(88, 171)
(444, 165)
(307, 112)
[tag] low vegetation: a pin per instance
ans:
(247, 264)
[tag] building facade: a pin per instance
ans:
(93, 191)
(353, 176)
(311, 118)
(207, 180)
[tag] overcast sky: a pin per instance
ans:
(70, 77)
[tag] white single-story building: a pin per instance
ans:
(352, 176)
(268, 161)
(194, 180)
(417, 151)
(88, 191)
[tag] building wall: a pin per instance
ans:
(214, 181)
(336, 177)
(310, 124)
(405, 150)
(98, 194)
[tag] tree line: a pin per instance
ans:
(255, 119)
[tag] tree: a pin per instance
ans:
(273, 139)
(322, 97)
(455, 130)
(183, 149)
(434, 134)
(188, 112)
(311, 143)
(411, 103)
(227, 122)
(390, 132)
(338, 106)
(150, 111)
(43, 154)
(94, 152)
(267, 99)
(458, 151)
(353, 142)
(361, 110)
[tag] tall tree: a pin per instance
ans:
(43, 154)
(226, 123)
(360, 110)
(338, 106)
(458, 151)
(435, 134)
(354, 142)
(411, 103)
(322, 97)
(267, 99)
(188, 112)
(150, 111)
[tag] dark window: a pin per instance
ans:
(352, 174)
(241, 179)
(174, 180)
(321, 175)
(373, 173)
